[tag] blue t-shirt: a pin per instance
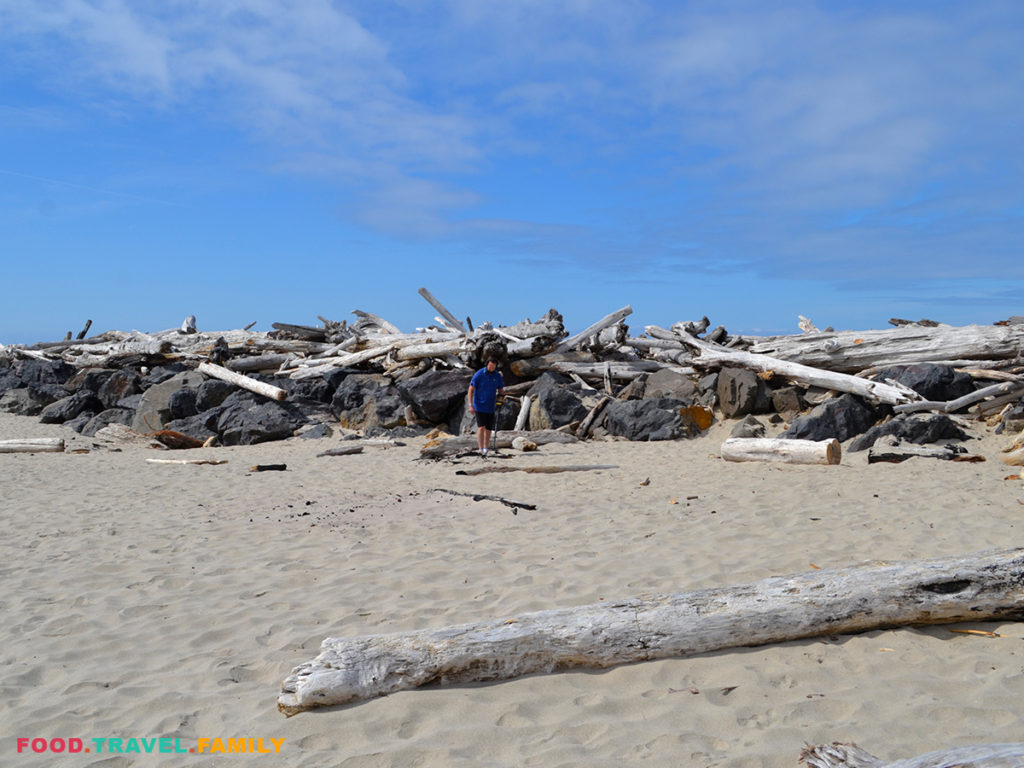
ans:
(485, 389)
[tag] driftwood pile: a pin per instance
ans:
(246, 386)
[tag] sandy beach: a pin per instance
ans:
(145, 601)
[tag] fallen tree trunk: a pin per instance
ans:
(503, 440)
(1004, 388)
(852, 351)
(259, 387)
(975, 756)
(786, 451)
(979, 587)
(33, 445)
(711, 355)
(608, 320)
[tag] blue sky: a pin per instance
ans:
(275, 160)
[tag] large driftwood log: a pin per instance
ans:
(259, 387)
(976, 587)
(452, 319)
(786, 451)
(608, 320)
(851, 351)
(711, 355)
(504, 440)
(1004, 388)
(975, 756)
(33, 445)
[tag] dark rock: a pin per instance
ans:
(154, 411)
(741, 392)
(788, 399)
(317, 431)
(749, 427)
(200, 426)
(556, 401)
(182, 404)
(88, 379)
(932, 381)
(118, 386)
(24, 401)
(315, 388)
(717, 336)
(105, 417)
(212, 393)
(435, 395)
(913, 428)
(79, 422)
(649, 419)
(69, 407)
(675, 386)
(366, 400)
(841, 417)
(129, 401)
(37, 372)
(160, 374)
(246, 418)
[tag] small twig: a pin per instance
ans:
(516, 505)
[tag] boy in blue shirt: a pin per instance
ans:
(484, 388)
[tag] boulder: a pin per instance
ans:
(368, 400)
(212, 393)
(182, 404)
(315, 388)
(316, 431)
(707, 385)
(24, 401)
(915, 428)
(841, 417)
(652, 419)
(246, 418)
(749, 427)
(635, 389)
(105, 418)
(200, 426)
(160, 374)
(932, 381)
(741, 392)
(119, 385)
(27, 373)
(69, 407)
(788, 399)
(79, 422)
(556, 400)
(89, 379)
(675, 386)
(435, 395)
(153, 411)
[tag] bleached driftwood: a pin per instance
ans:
(851, 351)
(785, 451)
(1005, 388)
(452, 320)
(712, 355)
(524, 413)
(536, 470)
(890, 449)
(187, 461)
(608, 320)
(33, 445)
(879, 595)
(591, 417)
(504, 440)
(838, 755)
(245, 382)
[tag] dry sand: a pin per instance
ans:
(144, 601)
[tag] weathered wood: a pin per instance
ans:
(608, 320)
(711, 355)
(538, 470)
(516, 505)
(524, 413)
(345, 450)
(85, 330)
(591, 417)
(838, 755)
(951, 406)
(245, 382)
(260, 362)
(785, 451)
(851, 351)
(624, 370)
(978, 587)
(892, 450)
(33, 445)
(452, 319)
(370, 320)
(187, 461)
(460, 444)
(432, 349)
